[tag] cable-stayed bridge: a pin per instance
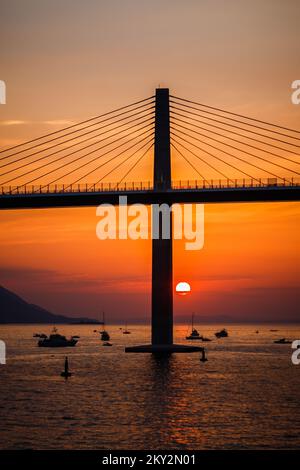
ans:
(231, 158)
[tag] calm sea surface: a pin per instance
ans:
(246, 396)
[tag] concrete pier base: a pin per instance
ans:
(163, 348)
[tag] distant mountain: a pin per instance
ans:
(13, 309)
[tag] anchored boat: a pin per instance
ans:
(104, 336)
(56, 340)
(195, 333)
(126, 331)
(222, 334)
(282, 341)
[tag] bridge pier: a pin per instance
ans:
(162, 258)
(162, 266)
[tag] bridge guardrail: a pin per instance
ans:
(148, 186)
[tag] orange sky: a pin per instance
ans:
(67, 61)
(249, 266)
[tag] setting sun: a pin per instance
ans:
(183, 288)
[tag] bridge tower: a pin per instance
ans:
(162, 272)
(162, 258)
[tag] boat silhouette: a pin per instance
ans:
(282, 341)
(104, 335)
(194, 334)
(222, 334)
(55, 340)
(126, 331)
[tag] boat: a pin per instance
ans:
(55, 340)
(39, 335)
(126, 331)
(222, 334)
(107, 344)
(195, 333)
(282, 341)
(104, 336)
(205, 339)
(273, 330)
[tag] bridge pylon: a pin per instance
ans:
(162, 259)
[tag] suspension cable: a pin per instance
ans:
(80, 158)
(188, 161)
(202, 159)
(236, 148)
(148, 121)
(243, 117)
(220, 159)
(38, 152)
(124, 161)
(78, 124)
(232, 155)
(134, 165)
(240, 122)
(105, 163)
(231, 138)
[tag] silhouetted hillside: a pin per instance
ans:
(13, 309)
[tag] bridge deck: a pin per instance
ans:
(181, 192)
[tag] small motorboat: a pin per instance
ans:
(205, 339)
(107, 344)
(66, 372)
(222, 334)
(195, 333)
(56, 340)
(282, 341)
(39, 335)
(126, 331)
(273, 330)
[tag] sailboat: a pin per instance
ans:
(104, 336)
(194, 334)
